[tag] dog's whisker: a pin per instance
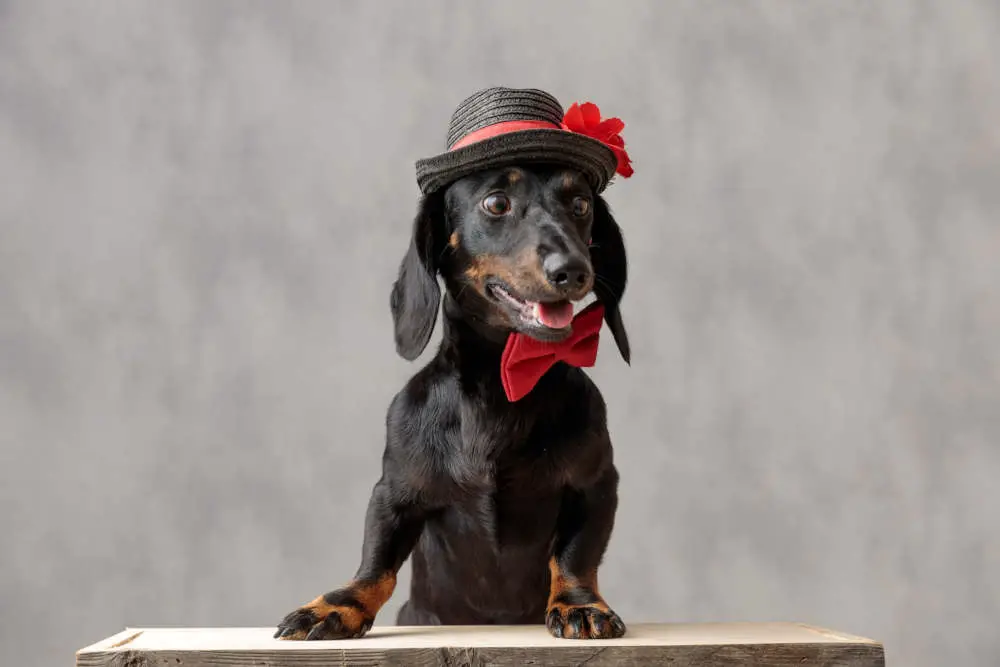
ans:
(605, 282)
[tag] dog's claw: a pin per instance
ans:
(554, 623)
(296, 623)
(598, 623)
(617, 626)
(331, 626)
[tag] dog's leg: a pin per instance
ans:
(391, 530)
(576, 609)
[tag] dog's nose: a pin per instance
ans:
(566, 272)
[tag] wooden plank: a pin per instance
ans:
(680, 645)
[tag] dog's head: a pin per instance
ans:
(516, 247)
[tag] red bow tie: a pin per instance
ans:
(525, 360)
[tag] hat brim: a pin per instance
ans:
(596, 161)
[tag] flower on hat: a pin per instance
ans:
(586, 119)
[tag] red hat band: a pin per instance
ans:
(582, 119)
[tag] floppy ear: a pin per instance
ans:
(607, 255)
(416, 295)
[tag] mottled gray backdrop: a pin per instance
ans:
(202, 207)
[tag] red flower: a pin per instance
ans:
(586, 119)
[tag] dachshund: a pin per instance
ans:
(506, 507)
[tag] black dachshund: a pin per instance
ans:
(506, 506)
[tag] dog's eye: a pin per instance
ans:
(496, 203)
(581, 206)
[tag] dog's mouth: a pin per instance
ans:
(553, 316)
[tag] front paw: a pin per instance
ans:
(322, 620)
(345, 613)
(586, 621)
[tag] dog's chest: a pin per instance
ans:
(526, 471)
(510, 500)
(512, 455)
(505, 476)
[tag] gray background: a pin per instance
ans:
(202, 207)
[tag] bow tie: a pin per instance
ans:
(525, 360)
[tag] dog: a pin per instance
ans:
(505, 503)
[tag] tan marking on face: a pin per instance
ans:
(513, 176)
(453, 240)
(522, 272)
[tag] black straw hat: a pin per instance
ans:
(497, 127)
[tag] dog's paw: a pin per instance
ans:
(587, 621)
(321, 620)
(342, 614)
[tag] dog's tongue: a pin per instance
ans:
(554, 315)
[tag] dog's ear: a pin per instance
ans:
(416, 295)
(607, 255)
